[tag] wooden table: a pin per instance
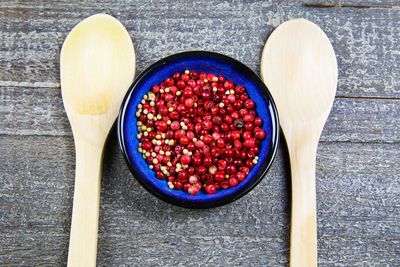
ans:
(358, 172)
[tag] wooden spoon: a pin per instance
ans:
(97, 66)
(299, 67)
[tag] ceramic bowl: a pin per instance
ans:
(211, 63)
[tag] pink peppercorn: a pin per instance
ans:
(199, 131)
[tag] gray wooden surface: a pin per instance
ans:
(358, 172)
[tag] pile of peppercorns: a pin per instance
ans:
(199, 130)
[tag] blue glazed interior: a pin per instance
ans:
(210, 63)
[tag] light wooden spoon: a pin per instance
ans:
(97, 66)
(299, 67)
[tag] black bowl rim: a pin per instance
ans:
(271, 154)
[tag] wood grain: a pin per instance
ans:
(39, 111)
(357, 164)
(353, 3)
(367, 39)
(358, 211)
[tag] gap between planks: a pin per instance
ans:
(56, 85)
(69, 135)
(344, 5)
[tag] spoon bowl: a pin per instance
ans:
(299, 67)
(97, 66)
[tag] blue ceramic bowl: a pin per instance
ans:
(211, 63)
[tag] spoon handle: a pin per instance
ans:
(303, 236)
(85, 213)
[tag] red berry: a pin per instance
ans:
(155, 89)
(214, 110)
(229, 153)
(193, 190)
(239, 89)
(250, 142)
(190, 134)
(260, 134)
(258, 121)
(245, 170)
(174, 115)
(197, 160)
(231, 169)
(185, 77)
(240, 176)
(189, 103)
(198, 127)
(184, 140)
(160, 175)
(248, 118)
(255, 150)
(233, 181)
(231, 98)
(207, 161)
(216, 120)
(183, 176)
(224, 184)
(228, 119)
(199, 144)
(243, 112)
(177, 185)
(221, 164)
(168, 97)
(219, 176)
(185, 159)
(186, 186)
(163, 110)
(249, 164)
(215, 152)
(187, 92)
(181, 84)
(207, 125)
(220, 143)
(228, 85)
(216, 136)
(238, 104)
(235, 115)
(249, 126)
(237, 144)
(249, 104)
(201, 170)
(224, 127)
(210, 189)
(207, 139)
(161, 126)
(147, 145)
(174, 126)
(246, 135)
(176, 76)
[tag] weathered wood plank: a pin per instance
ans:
(367, 41)
(357, 179)
(358, 211)
(40, 112)
(90, 4)
(352, 3)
